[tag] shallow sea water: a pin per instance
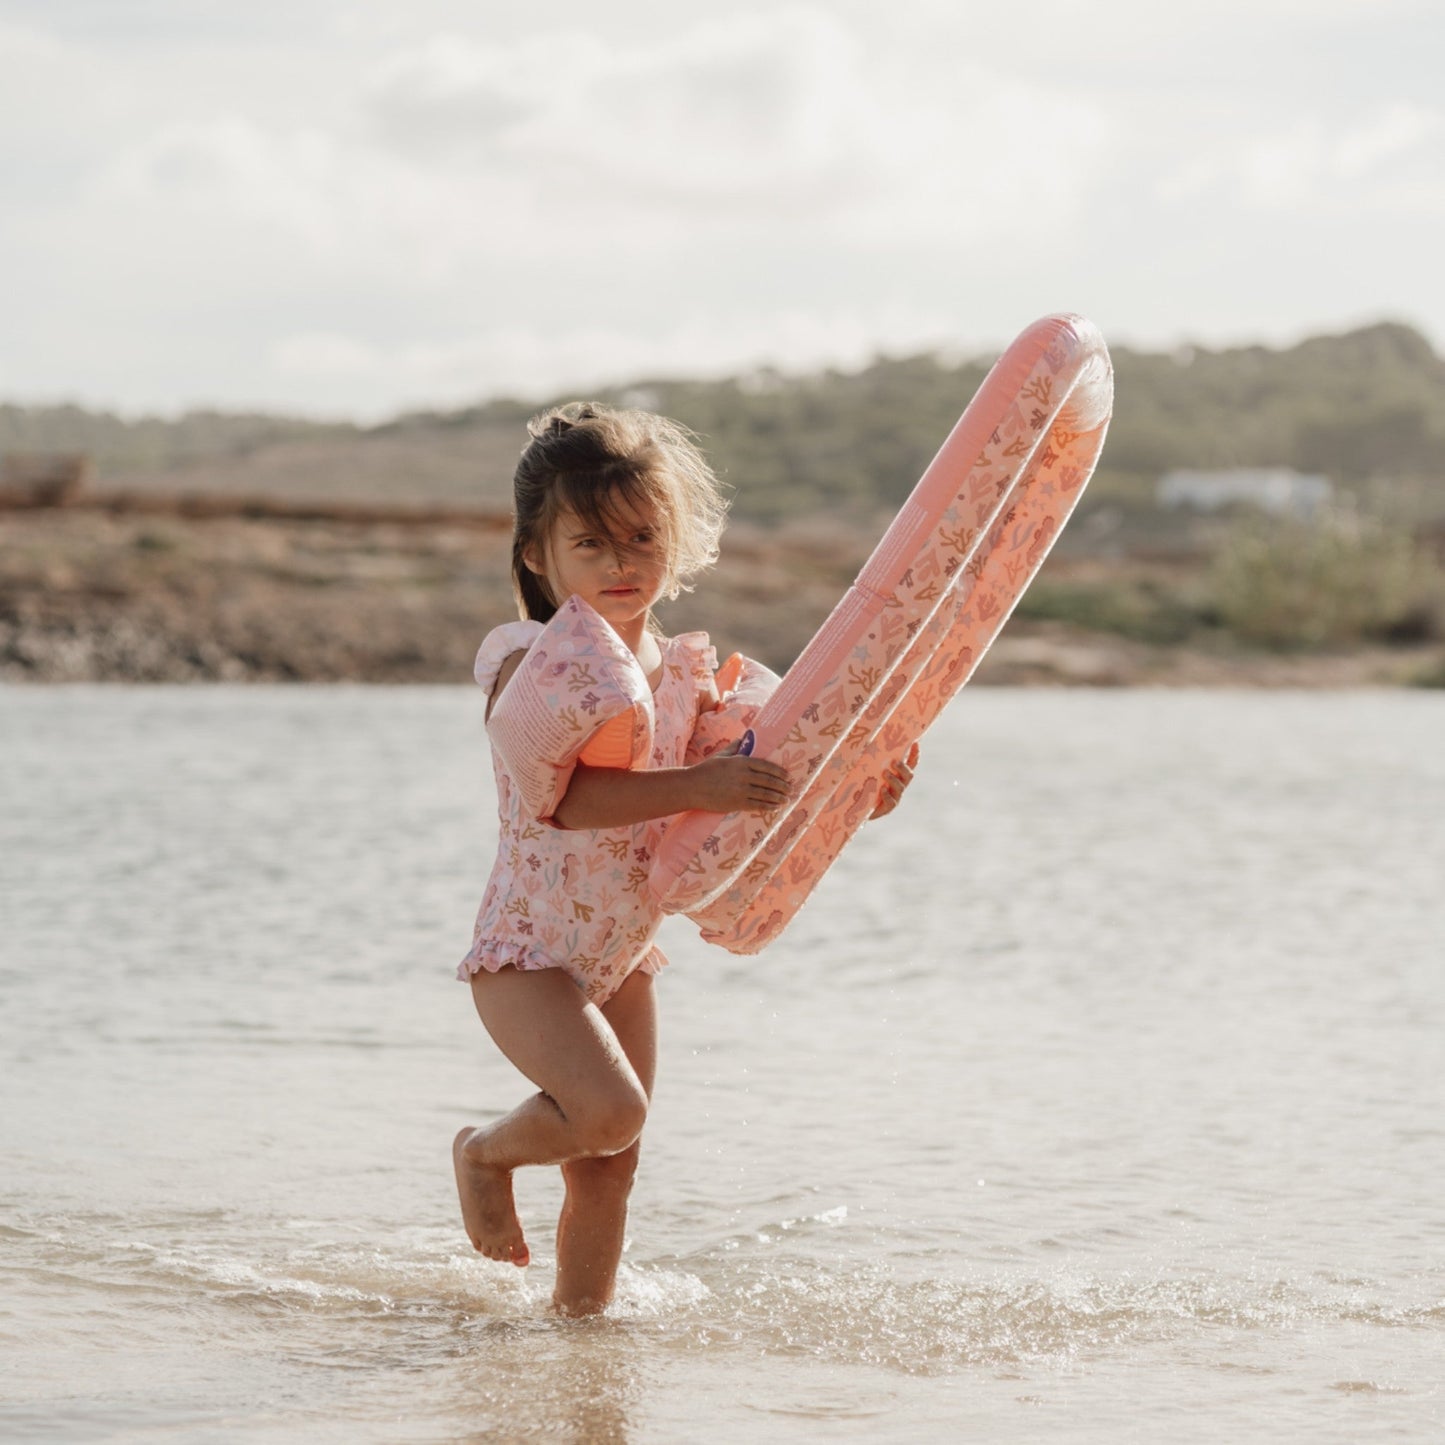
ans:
(1096, 1096)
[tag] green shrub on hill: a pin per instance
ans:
(1338, 581)
(1127, 605)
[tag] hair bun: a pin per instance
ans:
(560, 420)
(546, 428)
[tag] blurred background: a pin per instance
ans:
(286, 280)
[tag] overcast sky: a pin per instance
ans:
(347, 207)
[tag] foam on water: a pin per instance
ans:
(844, 1308)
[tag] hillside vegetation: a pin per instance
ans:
(1366, 409)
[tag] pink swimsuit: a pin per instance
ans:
(579, 899)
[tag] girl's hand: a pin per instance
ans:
(709, 699)
(728, 783)
(894, 781)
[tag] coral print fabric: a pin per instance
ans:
(579, 900)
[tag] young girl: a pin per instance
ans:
(617, 509)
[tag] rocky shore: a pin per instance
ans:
(97, 596)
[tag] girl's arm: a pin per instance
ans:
(723, 783)
(510, 664)
(618, 797)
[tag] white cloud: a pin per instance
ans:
(536, 360)
(758, 110)
(766, 109)
(772, 132)
(327, 356)
(231, 168)
(781, 117)
(1391, 160)
(1399, 132)
(22, 45)
(450, 98)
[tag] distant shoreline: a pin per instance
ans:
(93, 596)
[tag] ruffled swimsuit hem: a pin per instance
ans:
(494, 954)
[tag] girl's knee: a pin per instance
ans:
(613, 1124)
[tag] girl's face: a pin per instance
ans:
(620, 574)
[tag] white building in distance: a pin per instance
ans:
(1277, 490)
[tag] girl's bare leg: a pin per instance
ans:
(591, 1101)
(593, 1222)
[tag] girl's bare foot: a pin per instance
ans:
(488, 1209)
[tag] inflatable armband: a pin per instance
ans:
(578, 695)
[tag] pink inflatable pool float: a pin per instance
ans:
(901, 642)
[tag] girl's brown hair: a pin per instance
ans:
(591, 460)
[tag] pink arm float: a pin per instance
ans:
(577, 696)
